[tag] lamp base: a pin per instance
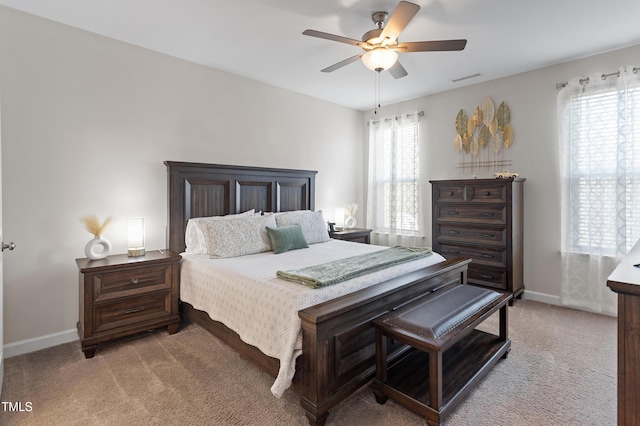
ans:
(136, 252)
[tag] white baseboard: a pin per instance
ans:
(37, 343)
(541, 297)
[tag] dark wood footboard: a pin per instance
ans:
(338, 340)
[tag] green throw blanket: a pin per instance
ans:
(351, 267)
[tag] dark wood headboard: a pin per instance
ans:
(201, 190)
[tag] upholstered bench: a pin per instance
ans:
(446, 356)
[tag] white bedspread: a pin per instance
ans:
(244, 294)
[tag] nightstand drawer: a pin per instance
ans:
(108, 316)
(131, 282)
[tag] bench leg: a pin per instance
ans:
(435, 379)
(504, 327)
(381, 364)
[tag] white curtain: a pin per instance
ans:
(599, 127)
(393, 202)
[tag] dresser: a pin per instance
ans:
(122, 295)
(625, 281)
(481, 219)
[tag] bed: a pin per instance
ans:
(338, 342)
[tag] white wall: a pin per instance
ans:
(86, 125)
(531, 97)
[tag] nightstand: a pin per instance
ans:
(121, 295)
(357, 235)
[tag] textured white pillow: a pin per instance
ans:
(313, 226)
(237, 236)
(194, 237)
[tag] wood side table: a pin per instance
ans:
(357, 235)
(121, 295)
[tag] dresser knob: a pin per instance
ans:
(135, 281)
(451, 193)
(487, 193)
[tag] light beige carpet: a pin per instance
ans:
(561, 371)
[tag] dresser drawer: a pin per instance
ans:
(108, 316)
(487, 193)
(131, 282)
(456, 233)
(487, 277)
(487, 214)
(449, 193)
(480, 256)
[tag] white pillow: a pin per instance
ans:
(313, 226)
(237, 236)
(194, 237)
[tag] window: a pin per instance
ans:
(394, 196)
(599, 132)
(604, 171)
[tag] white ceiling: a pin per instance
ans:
(262, 39)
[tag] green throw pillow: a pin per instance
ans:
(285, 238)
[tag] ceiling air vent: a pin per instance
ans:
(455, 80)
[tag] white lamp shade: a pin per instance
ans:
(339, 217)
(380, 59)
(135, 236)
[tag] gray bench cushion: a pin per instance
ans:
(442, 311)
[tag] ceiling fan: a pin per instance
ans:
(381, 44)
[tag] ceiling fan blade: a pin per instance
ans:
(432, 46)
(398, 20)
(333, 37)
(397, 70)
(342, 63)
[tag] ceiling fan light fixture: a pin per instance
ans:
(379, 59)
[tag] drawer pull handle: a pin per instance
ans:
(487, 193)
(487, 235)
(453, 232)
(451, 193)
(486, 214)
(453, 213)
(135, 280)
(134, 310)
(453, 251)
(487, 256)
(486, 277)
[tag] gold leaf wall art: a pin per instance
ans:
(461, 123)
(483, 136)
(486, 125)
(488, 110)
(507, 135)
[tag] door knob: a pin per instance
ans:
(9, 246)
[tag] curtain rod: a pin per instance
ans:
(603, 76)
(398, 117)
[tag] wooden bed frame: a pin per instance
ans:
(338, 353)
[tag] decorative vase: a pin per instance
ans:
(350, 222)
(97, 248)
